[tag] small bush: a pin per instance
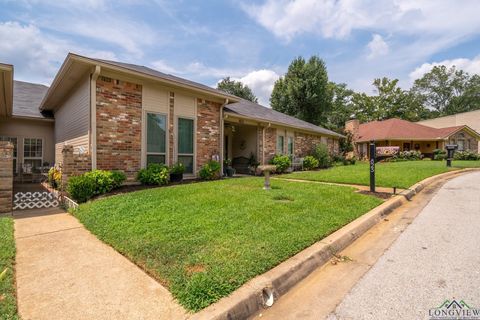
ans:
(322, 155)
(177, 168)
(282, 162)
(81, 188)
(54, 177)
(103, 180)
(439, 154)
(350, 161)
(118, 178)
(154, 174)
(309, 163)
(412, 155)
(210, 170)
(466, 155)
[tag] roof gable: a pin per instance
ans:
(27, 98)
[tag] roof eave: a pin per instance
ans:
(6, 90)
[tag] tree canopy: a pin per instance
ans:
(304, 91)
(237, 88)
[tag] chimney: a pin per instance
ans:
(353, 126)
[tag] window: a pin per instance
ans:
(290, 145)
(280, 142)
(32, 154)
(185, 143)
(461, 144)
(13, 140)
(156, 138)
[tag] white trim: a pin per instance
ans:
(194, 137)
(33, 158)
(144, 136)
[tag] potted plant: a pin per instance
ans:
(253, 163)
(176, 172)
(227, 168)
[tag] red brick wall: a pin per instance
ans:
(119, 126)
(6, 176)
(208, 131)
(270, 148)
(305, 143)
(74, 164)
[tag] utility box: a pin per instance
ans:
(450, 152)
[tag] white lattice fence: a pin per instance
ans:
(33, 200)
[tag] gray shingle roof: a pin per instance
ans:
(158, 74)
(256, 111)
(27, 98)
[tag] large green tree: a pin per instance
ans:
(341, 106)
(304, 91)
(237, 88)
(448, 90)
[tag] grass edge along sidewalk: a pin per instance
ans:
(8, 300)
(402, 174)
(205, 240)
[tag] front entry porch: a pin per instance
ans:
(240, 147)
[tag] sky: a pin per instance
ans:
(250, 41)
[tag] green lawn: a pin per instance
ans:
(8, 302)
(388, 174)
(205, 240)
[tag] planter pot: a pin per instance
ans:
(230, 172)
(176, 177)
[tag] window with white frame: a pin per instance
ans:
(185, 147)
(290, 145)
(156, 138)
(280, 142)
(13, 140)
(32, 154)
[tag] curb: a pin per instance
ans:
(254, 295)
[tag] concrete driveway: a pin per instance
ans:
(64, 272)
(422, 254)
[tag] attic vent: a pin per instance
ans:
(105, 79)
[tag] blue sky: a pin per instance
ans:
(253, 41)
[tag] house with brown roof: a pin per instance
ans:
(100, 114)
(410, 136)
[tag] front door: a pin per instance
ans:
(406, 146)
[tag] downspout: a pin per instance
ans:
(222, 135)
(93, 115)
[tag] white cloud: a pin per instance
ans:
(261, 82)
(163, 66)
(377, 47)
(469, 65)
(35, 55)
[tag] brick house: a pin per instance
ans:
(410, 136)
(117, 116)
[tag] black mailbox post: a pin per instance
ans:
(450, 151)
(373, 152)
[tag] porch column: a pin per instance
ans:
(6, 177)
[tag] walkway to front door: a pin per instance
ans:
(64, 272)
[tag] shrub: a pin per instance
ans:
(351, 161)
(81, 188)
(309, 163)
(54, 177)
(466, 155)
(103, 180)
(210, 170)
(154, 174)
(282, 162)
(118, 178)
(439, 154)
(321, 154)
(177, 168)
(406, 156)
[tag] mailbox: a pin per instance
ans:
(450, 151)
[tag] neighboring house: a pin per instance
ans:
(22, 123)
(410, 136)
(471, 119)
(117, 116)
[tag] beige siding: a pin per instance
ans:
(155, 98)
(184, 105)
(72, 120)
(21, 129)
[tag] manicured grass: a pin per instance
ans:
(389, 174)
(205, 240)
(8, 302)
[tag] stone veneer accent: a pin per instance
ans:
(119, 126)
(305, 143)
(74, 164)
(470, 143)
(6, 176)
(208, 131)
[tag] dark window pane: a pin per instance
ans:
(280, 142)
(185, 136)
(156, 125)
(153, 158)
(187, 161)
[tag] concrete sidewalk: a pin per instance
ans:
(435, 259)
(64, 272)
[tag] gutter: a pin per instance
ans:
(93, 115)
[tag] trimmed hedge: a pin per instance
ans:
(210, 170)
(309, 163)
(154, 174)
(83, 187)
(282, 162)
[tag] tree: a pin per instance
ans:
(448, 90)
(303, 92)
(237, 89)
(341, 107)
